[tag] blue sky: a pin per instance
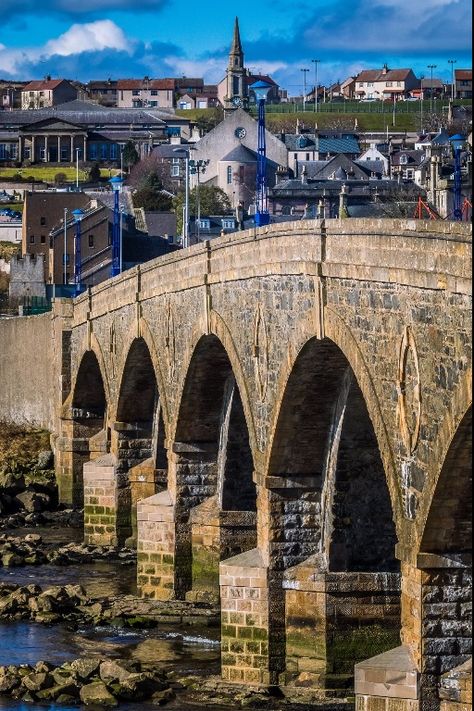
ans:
(93, 39)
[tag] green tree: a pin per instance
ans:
(130, 155)
(212, 200)
(94, 173)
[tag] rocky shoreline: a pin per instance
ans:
(32, 550)
(88, 681)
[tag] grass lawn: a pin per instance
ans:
(365, 121)
(47, 174)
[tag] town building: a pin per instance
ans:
(234, 89)
(319, 145)
(103, 92)
(146, 93)
(10, 94)
(384, 83)
(46, 93)
(463, 83)
(83, 130)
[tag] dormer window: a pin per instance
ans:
(228, 224)
(403, 159)
(204, 224)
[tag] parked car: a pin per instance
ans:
(365, 101)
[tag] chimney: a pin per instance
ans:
(384, 68)
(304, 176)
(343, 202)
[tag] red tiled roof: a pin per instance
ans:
(463, 74)
(131, 84)
(43, 84)
(379, 75)
(252, 78)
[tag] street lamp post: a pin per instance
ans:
(196, 168)
(77, 168)
(185, 152)
(65, 247)
(77, 215)
(262, 216)
(431, 67)
(116, 183)
(305, 71)
(315, 62)
(422, 76)
(452, 62)
(457, 143)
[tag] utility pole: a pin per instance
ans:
(431, 67)
(305, 71)
(421, 102)
(452, 62)
(315, 62)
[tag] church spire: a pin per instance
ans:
(236, 48)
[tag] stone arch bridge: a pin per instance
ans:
(280, 420)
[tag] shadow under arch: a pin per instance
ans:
(84, 425)
(445, 558)
(138, 436)
(213, 470)
(330, 520)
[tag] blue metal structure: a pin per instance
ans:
(262, 216)
(78, 215)
(116, 183)
(457, 143)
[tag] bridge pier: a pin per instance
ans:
(80, 441)
(436, 637)
(216, 535)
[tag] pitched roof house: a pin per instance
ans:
(384, 83)
(46, 93)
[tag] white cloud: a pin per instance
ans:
(87, 37)
(212, 69)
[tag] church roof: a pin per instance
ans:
(240, 154)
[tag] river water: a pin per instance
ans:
(190, 650)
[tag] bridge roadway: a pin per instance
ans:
(280, 420)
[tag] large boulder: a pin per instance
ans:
(97, 694)
(34, 501)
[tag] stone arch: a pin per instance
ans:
(458, 409)
(445, 559)
(322, 410)
(83, 426)
(138, 436)
(213, 470)
(448, 527)
(329, 521)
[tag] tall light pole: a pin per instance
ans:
(77, 168)
(196, 168)
(65, 247)
(431, 67)
(305, 71)
(77, 215)
(185, 152)
(315, 62)
(262, 216)
(452, 62)
(457, 143)
(422, 76)
(116, 184)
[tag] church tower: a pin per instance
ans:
(237, 94)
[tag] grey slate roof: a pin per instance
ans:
(327, 142)
(240, 154)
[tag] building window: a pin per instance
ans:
(136, 92)
(154, 92)
(91, 241)
(93, 151)
(175, 169)
(32, 239)
(229, 175)
(228, 224)
(42, 221)
(361, 84)
(65, 152)
(204, 224)
(43, 239)
(104, 153)
(113, 151)
(3, 151)
(389, 83)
